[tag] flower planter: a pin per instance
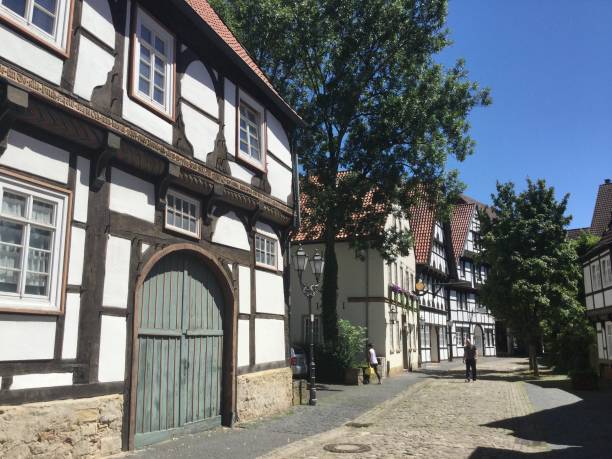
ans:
(353, 376)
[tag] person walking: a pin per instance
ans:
(373, 361)
(470, 355)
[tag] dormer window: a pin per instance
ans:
(47, 20)
(153, 65)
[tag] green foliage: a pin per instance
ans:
(350, 347)
(363, 77)
(532, 283)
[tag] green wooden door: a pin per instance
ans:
(180, 338)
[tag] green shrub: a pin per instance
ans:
(350, 347)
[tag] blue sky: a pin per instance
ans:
(549, 66)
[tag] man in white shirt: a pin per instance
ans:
(373, 361)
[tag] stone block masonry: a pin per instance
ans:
(264, 393)
(84, 428)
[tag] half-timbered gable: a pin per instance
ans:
(146, 194)
(470, 319)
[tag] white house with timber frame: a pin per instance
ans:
(146, 195)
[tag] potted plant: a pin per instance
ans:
(349, 351)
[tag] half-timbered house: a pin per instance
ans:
(146, 192)
(469, 318)
(434, 265)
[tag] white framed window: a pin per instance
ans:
(182, 213)
(265, 251)
(609, 339)
(32, 244)
(152, 79)
(251, 132)
(48, 20)
(606, 271)
(596, 275)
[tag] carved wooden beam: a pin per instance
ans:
(13, 102)
(171, 174)
(109, 151)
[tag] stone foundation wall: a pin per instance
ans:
(83, 428)
(263, 393)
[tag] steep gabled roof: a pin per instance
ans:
(203, 9)
(460, 224)
(422, 221)
(603, 209)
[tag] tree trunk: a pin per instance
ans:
(533, 360)
(329, 293)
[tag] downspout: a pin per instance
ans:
(367, 302)
(294, 227)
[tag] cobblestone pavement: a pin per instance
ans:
(336, 406)
(441, 417)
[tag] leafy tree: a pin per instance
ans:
(532, 283)
(349, 351)
(363, 77)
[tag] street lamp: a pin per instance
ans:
(316, 265)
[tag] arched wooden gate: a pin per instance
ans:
(179, 337)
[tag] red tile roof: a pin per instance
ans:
(460, 223)
(311, 231)
(422, 221)
(210, 17)
(603, 209)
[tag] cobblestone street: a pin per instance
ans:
(440, 417)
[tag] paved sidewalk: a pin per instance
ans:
(441, 417)
(337, 405)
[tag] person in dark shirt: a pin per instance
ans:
(470, 355)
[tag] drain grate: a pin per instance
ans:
(347, 448)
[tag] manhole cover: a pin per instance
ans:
(347, 448)
(358, 424)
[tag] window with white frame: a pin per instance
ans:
(609, 339)
(47, 19)
(182, 213)
(153, 64)
(250, 138)
(596, 275)
(32, 235)
(265, 251)
(606, 271)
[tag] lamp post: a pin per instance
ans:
(316, 265)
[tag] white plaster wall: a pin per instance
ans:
(39, 158)
(41, 380)
(144, 247)
(131, 195)
(598, 300)
(230, 118)
(278, 143)
(587, 279)
(200, 131)
(197, 87)
(81, 192)
(71, 325)
(22, 52)
(26, 337)
(77, 253)
(589, 302)
(243, 343)
(269, 292)
(269, 340)
(117, 272)
(608, 298)
(239, 171)
(133, 111)
(244, 276)
(112, 349)
(93, 65)
(96, 17)
(230, 231)
(280, 180)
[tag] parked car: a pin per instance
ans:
(299, 362)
